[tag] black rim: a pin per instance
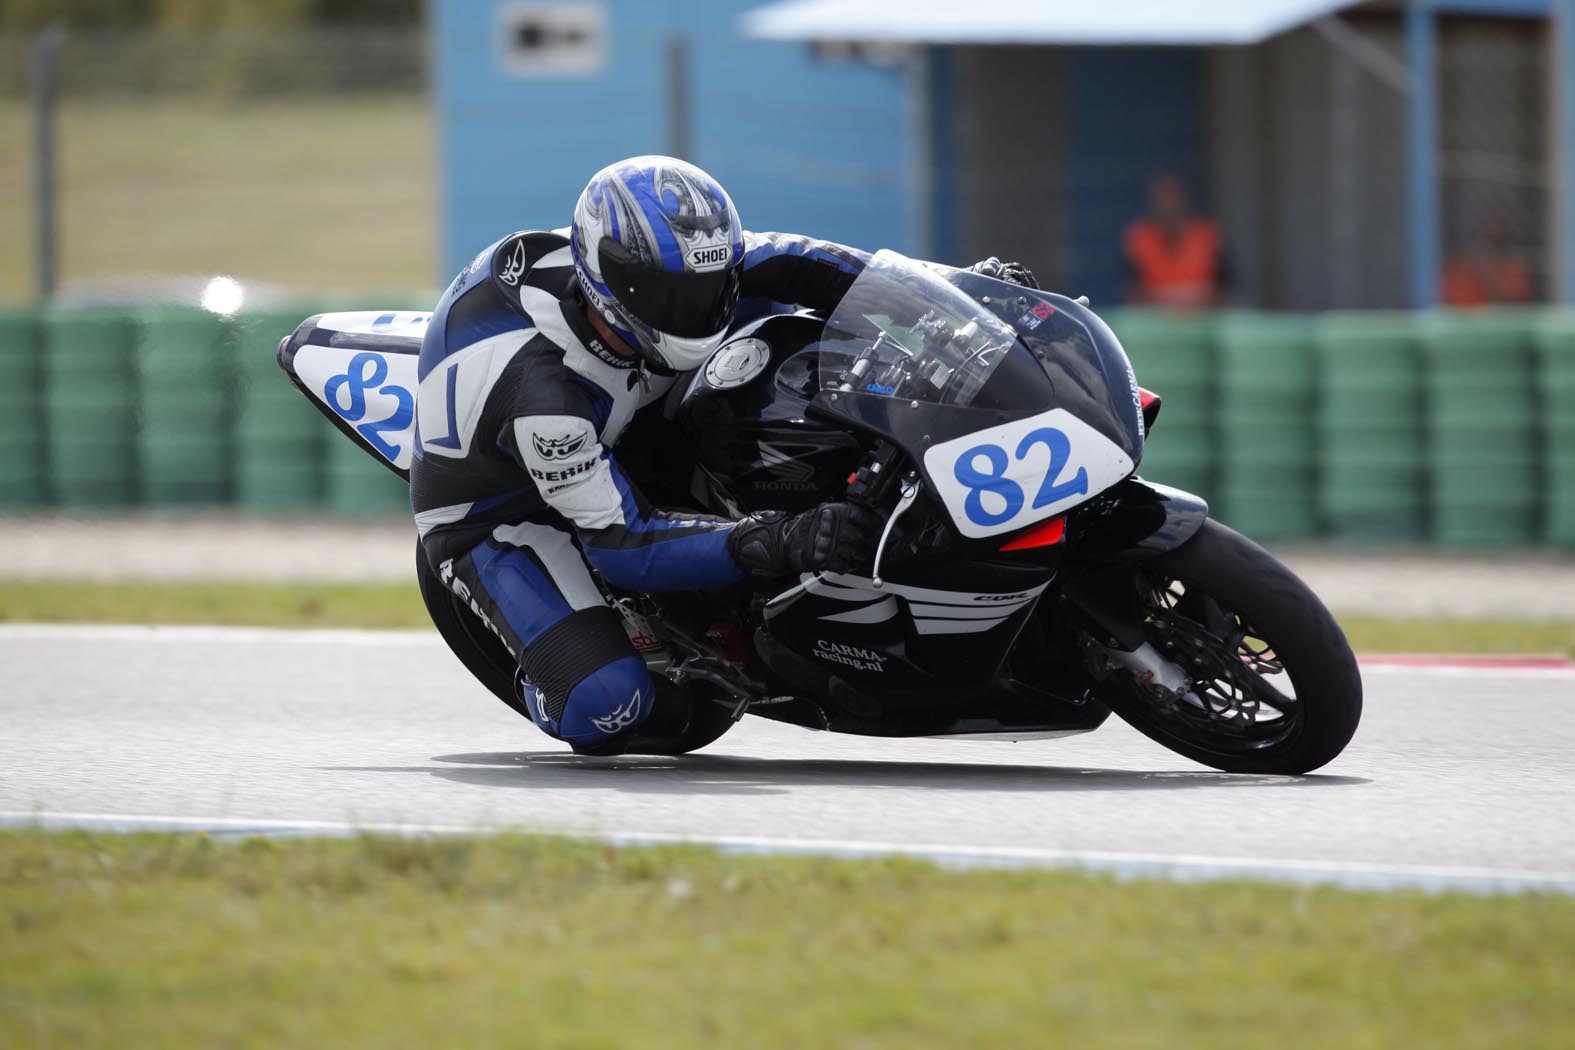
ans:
(490, 649)
(1242, 698)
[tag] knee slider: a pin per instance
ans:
(592, 683)
(611, 701)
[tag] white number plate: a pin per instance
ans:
(1005, 478)
(372, 391)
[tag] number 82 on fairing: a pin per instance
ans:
(1006, 478)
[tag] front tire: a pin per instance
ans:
(1243, 627)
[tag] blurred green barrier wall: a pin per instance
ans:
(1482, 430)
(1372, 481)
(184, 394)
(280, 439)
(89, 396)
(1267, 448)
(1455, 428)
(1451, 427)
(21, 411)
(1555, 383)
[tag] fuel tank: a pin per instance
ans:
(743, 416)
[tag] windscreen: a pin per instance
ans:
(902, 331)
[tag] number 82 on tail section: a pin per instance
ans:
(1006, 478)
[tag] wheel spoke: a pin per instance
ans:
(1203, 611)
(1230, 663)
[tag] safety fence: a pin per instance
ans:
(1451, 427)
(104, 408)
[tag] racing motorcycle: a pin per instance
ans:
(1027, 582)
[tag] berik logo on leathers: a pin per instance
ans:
(619, 717)
(558, 448)
(514, 269)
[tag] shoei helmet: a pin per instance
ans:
(658, 250)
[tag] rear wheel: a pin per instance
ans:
(487, 659)
(1274, 686)
(482, 652)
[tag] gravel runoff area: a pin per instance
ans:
(1402, 581)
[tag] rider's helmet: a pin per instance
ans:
(658, 250)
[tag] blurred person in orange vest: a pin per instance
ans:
(1491, 273)
(1172, 257)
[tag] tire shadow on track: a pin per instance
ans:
(739, 775)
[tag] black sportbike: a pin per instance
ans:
(1027, 582)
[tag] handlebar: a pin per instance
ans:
(875, 480)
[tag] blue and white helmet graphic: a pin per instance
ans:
(658, 249)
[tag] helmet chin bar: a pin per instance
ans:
(638, 340)
(685, 355)
(664, 354)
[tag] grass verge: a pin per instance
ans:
(399, 605)
(1378, 634)
(177, 940)
(381, 605)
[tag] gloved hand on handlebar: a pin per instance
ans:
(833, 537)
(1012, 272)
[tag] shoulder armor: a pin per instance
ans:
(518, 253)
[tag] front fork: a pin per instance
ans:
(1114, 641)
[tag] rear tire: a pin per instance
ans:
(482, 652)
(1222, 567)
(708, 720)
(487, 659)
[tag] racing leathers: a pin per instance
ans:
(517, 494)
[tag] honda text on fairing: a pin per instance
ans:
(1027, 582)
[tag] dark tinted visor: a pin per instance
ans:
(688, 305)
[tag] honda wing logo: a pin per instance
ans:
(558, 448)
(784, 465)
(621, 717)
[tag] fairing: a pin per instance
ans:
(1016, 405)
(360, 370)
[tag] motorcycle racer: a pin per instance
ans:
(535, 362)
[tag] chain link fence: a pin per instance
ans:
(1495, 164)
(228, 63)
(290, 159)
(1309, 138)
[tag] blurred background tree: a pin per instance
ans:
(25, 16)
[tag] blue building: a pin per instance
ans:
(1347, 148)
(803, 144)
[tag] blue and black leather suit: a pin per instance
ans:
(515, 485)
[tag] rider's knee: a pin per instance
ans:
(611, 701)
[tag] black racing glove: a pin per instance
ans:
(833, 537)
(1012, 272)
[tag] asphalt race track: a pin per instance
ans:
(1458, 778)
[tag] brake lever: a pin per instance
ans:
(911, 486)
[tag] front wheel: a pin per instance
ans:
(1274, 686)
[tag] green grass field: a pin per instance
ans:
(399, 605)
(175, 941)
(315, 194)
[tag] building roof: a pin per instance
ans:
(1035, 21)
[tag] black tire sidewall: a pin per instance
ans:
(483, 654)
(1247, 579)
